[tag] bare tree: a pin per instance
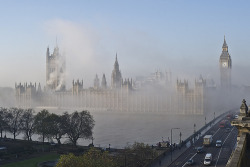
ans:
(28, 123)
(57, 126)
(14, 121)
(3, 123)
(41, 124)
(79, 125)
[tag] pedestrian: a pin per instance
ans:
(159, 162)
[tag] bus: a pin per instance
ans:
(224, 124)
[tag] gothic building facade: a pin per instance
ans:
(154, 95)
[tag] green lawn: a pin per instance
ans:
(33, 161)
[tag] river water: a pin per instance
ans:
(123, 129)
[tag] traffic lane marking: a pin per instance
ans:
(222, 146)
(190, 158)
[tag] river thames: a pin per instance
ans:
(123, 129)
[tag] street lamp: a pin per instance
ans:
(92, 138)
(171, 142)
(180, 138)
(194, 131)
(194, 128)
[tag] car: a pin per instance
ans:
(236, 116)
(228, 129)
(190, 162)
(200, 150)
(208, 159)
(218, 143)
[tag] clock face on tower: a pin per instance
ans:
(224, 64)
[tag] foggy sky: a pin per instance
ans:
(184, 37)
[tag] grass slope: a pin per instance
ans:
(33, 161)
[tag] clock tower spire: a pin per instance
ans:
(225, 67)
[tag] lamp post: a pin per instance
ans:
(194, 128)
(171, 142)
(180, 138)
(194, 131)
(92, 138)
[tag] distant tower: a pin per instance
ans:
(200, 85)
(77, 87)
(55, 70)
(104, 82)
(116, 76)
(96, 82)
(182, 87)
(225, 67)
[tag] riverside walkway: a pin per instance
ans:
(166, 160)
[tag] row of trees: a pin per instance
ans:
(47, 125)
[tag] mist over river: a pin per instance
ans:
(122, 129)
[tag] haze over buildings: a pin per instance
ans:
(149, 37)
(155, 93)
(182, 36)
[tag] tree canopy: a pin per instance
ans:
(79, 125)
(42, 125)
(92, 158)
(48, 125)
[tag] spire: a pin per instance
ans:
(116, 65)
(39, 88)
(48, 51)
(116, 75)
(104, 82)
(225, 43)
(96, 82)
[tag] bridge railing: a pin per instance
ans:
(238, 158)
(205, 128)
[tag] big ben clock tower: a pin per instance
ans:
(225, 67)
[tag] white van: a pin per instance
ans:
(208, 159)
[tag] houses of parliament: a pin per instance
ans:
(155, 93)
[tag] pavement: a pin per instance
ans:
(166, 160)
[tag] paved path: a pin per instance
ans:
(166, 160)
